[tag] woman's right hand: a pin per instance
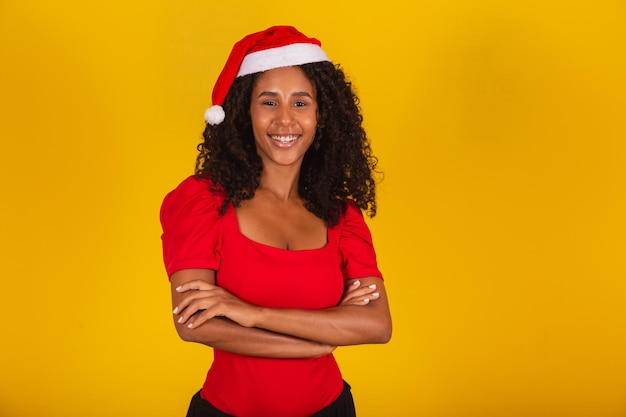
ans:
(354, 294)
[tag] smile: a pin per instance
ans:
(285, 139)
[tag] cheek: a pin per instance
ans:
(310, 119)
(259, 121)
(311, 124)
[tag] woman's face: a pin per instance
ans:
(283, 109)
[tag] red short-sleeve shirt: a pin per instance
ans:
(196, 236)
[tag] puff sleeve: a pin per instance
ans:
(192, 227)
(358, 257)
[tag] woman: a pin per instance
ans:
(270, 261)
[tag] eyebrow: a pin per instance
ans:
(274, 94)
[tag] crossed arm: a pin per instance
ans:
(207, 314)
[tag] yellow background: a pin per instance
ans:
(500, 127)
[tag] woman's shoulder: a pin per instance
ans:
(192, 195)
(355, 244)
(351, 217)
(351, 212)
(191, 185)
(194, 186)
(352, 222)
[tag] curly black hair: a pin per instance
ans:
(338, 166)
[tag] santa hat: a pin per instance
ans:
(276, 47)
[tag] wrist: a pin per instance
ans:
(257, 316)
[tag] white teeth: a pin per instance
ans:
(284, 139)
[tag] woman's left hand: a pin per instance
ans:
(355, 294)
(203, 301)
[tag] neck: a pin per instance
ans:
(282, 182)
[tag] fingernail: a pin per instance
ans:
(367, 300)
(372, 286)
(179, 287)
(375, 294)
(180, 319)
(356, 282)
(190, 325)
(175, 310)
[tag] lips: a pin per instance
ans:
(284, 138)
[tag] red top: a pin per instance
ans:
(196, 236)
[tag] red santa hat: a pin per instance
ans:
(275, 47)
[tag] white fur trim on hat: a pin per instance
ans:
(284, 56)
(214, 115)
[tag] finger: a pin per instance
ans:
(362, 300)
(362, 291)
(359, 292)
(356, 284)
(188, 313)
(357, 289)
(370, 297)
(195, 285)
(201, 317)
(216, 309)
(187, 299)
(194, 302)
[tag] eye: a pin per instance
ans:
(299, 104)
(269, 103)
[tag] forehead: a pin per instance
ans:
(284, 78)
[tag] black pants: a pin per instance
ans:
(343, 406)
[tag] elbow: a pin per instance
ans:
(384, 329)
(385, 337)
(378, 332)
(208, 333)
(186, 334)
(383, 333)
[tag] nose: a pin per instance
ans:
(285, 116)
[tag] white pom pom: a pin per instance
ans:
(214, 115)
